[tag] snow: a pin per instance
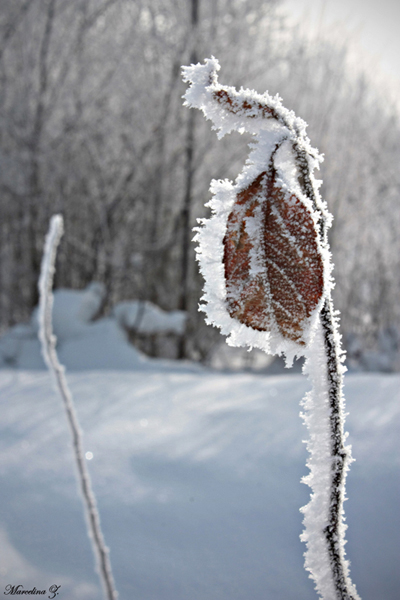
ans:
(146, 317)
(86, 344)
(74, 309)
(197, 476)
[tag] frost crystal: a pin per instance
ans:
(267, 267)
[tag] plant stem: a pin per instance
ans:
(340, 455)
(48, 341)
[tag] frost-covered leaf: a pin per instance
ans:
(262, 253)
(273, 266)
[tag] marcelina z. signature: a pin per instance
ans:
(18, 590)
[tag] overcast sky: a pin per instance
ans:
(375, 25)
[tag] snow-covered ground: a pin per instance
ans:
(197, 476)
(83, 342)
(197, 473)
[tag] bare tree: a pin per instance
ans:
(91, 125)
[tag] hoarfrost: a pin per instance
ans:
(276, 131)
(266, 263)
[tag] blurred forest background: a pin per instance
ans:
(92, 126)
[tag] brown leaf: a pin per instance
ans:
(273, 270)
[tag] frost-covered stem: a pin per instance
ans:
(48, 342)
(340, 455)
(328, 462)
(265, 258)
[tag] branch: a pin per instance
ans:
(12, 27)
(48, 342)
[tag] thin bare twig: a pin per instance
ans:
(48, 341)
